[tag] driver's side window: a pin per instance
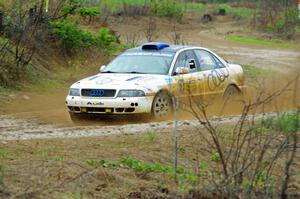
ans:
(186, 59)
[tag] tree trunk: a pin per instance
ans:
(1, 21)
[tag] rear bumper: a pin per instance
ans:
(129, 105)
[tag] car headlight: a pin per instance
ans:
(131, 93)
(74, 92)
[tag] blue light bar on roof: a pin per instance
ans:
(154, 46)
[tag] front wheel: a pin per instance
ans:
(78, 118)
(162, 106)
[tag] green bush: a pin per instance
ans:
(71, 7)
(88, 12)
(286, 123)
(167, 8)
(72, 36)
(283, 23)
(286, 24)
(105, 39)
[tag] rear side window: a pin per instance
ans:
(218, 63)
(205, 60)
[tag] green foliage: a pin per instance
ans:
(150, 136)
(41, 84)
(2, 169)
(286, 123)
(129, 163)
(105, 39)
(167, 8)
(88, 12)
(71, 7)
(60, 158)
(109, 6)
(148, 167)
(183, 175)
(92, 163)
(260, 42)
(3, 153)
(239, 11)
(72, 36)
(215, 156)
(256, 72)
(106, 164)
(203, 169)
(285, 24)
(196, 6)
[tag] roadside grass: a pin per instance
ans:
(141, 163)
(254, 72)
(111, 170)
(286, 123)
(44, 85)
(260, 42)
(147, 168)
(243, 12)
(130, 2)
(77, 67)
(3, 153)
(195, 6)
(150, 136)
(9, 91)
(239, 11)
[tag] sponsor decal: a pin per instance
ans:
(133, 78)
(217, 77)
(104, 80)
(95, 103)
(92, 78)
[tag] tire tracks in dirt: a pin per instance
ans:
(22, 129)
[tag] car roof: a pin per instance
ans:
(166, 48)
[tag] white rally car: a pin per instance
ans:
(144, 80)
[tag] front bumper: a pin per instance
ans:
(119, 105)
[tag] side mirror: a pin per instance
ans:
(182, 70)
(101, 68)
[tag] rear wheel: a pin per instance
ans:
(232, 92)
(162, 106)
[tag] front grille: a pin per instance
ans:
(98, 92)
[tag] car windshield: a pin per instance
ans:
(145, 63)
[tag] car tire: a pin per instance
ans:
(78, 118)
(162, 106)
(232, 92)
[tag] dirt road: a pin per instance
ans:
(43, 115)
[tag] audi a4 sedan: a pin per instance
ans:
(145, 79)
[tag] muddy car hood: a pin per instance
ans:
(144, 82)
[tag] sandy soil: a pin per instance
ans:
(43, 114)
